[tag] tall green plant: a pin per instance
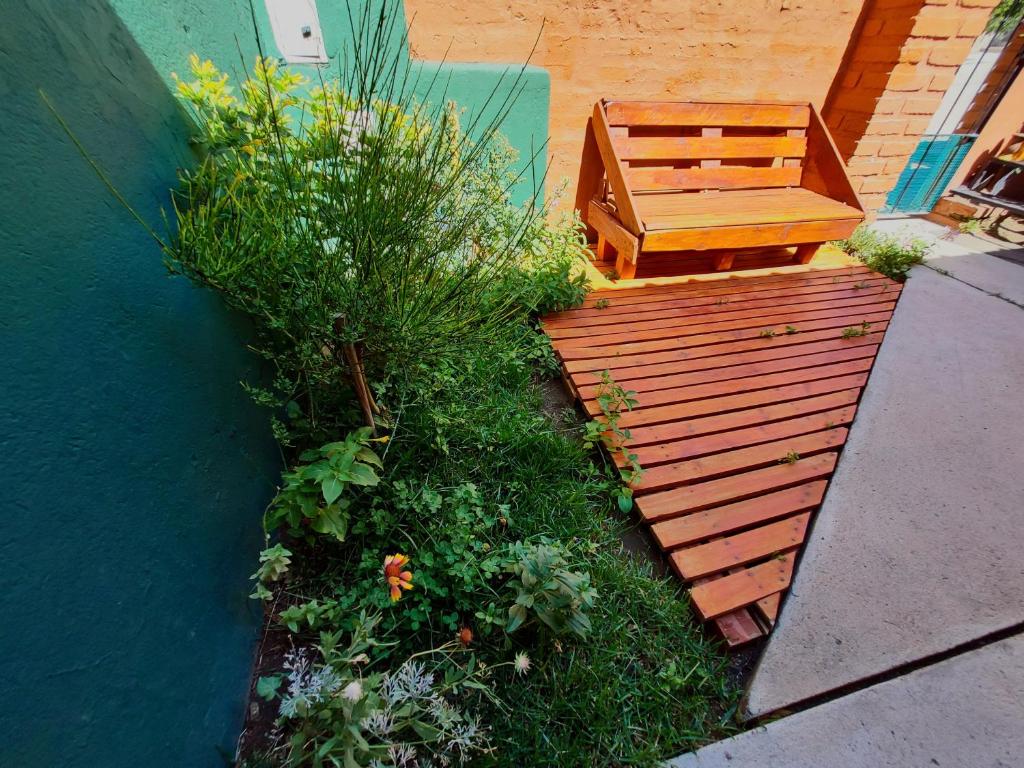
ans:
(351, 213)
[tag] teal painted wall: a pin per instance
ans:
(136, 468)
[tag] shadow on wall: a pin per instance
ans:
(136, 468)
(863, 75)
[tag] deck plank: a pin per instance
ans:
(738, 432)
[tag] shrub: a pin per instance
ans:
(887, 254)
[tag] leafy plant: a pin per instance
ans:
(889, 255)
(602, 304)
(767, 333)
(544, 587)
(611, 398)
(791, 329)
(313, 492)
(853, 331)
(971, 226)
(335, 710)
(790, 458)
(274, 563)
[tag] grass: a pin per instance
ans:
(648, 682)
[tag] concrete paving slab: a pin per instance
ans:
(965, 712)
(917, 548)
(978, 261)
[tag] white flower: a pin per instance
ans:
(353, 691)
(522, 663)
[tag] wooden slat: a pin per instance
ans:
(741, 548)
(651, 456)
(750, 235)
(737, 590)
(626, 208)
(713, 389)
(729, 355)
(700, 114)
(721, 177)
(793, 318)
(684, 316)
(692, 498)
(649, 388)
(744, 400)
(667, 476)
(690, 529)
(738, 627)
(701, 147)
(768, 607)
(703, 337)
(735, 420)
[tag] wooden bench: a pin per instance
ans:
(711, 177)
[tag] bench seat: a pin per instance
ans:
(684, 176)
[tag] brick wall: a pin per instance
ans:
(893, 78)
(657, 49)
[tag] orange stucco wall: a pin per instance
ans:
(657, 49)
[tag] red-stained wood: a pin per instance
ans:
(741, 548)
(719, 177)
(700, 526)
(747, 586)
(681, 113)
(737, 433)
(693, 498)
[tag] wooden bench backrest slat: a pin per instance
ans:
(690, 146)
(720, 177)
(691, 114)
(701, 147)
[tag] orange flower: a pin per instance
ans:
(396, 578)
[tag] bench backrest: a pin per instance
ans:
(694, 146)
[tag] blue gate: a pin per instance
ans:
(928, 171)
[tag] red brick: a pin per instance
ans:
(912, 53)
(868, 146)
(878, 184)
(942, 81)
(917, 126)
(950, 54)
(936, 26)
(886, 126)
(897, 148)
(973, 25)
(922, 105)
(979, 3)
(890, 104)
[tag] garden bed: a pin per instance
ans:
(444, 578)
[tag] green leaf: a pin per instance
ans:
(266, 687)
(331, 522)
(361, 474)
(516, 616)
(332, 488)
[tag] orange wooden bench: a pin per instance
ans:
(713, 177)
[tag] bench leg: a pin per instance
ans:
(804, 253)
(626, 266)
(602, 247)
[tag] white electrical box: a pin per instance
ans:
(296, 27)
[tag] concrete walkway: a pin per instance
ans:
(966, 712)
(918, 550)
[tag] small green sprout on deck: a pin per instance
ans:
(791, 329)
(767, 333)
(611, 399)
(861, 285)
(722, 300)
(853, 331)
(830, 425)
(602, 304)
(790, 458)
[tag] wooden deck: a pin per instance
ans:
(746, 388)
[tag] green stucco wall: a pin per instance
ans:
(136, 469)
